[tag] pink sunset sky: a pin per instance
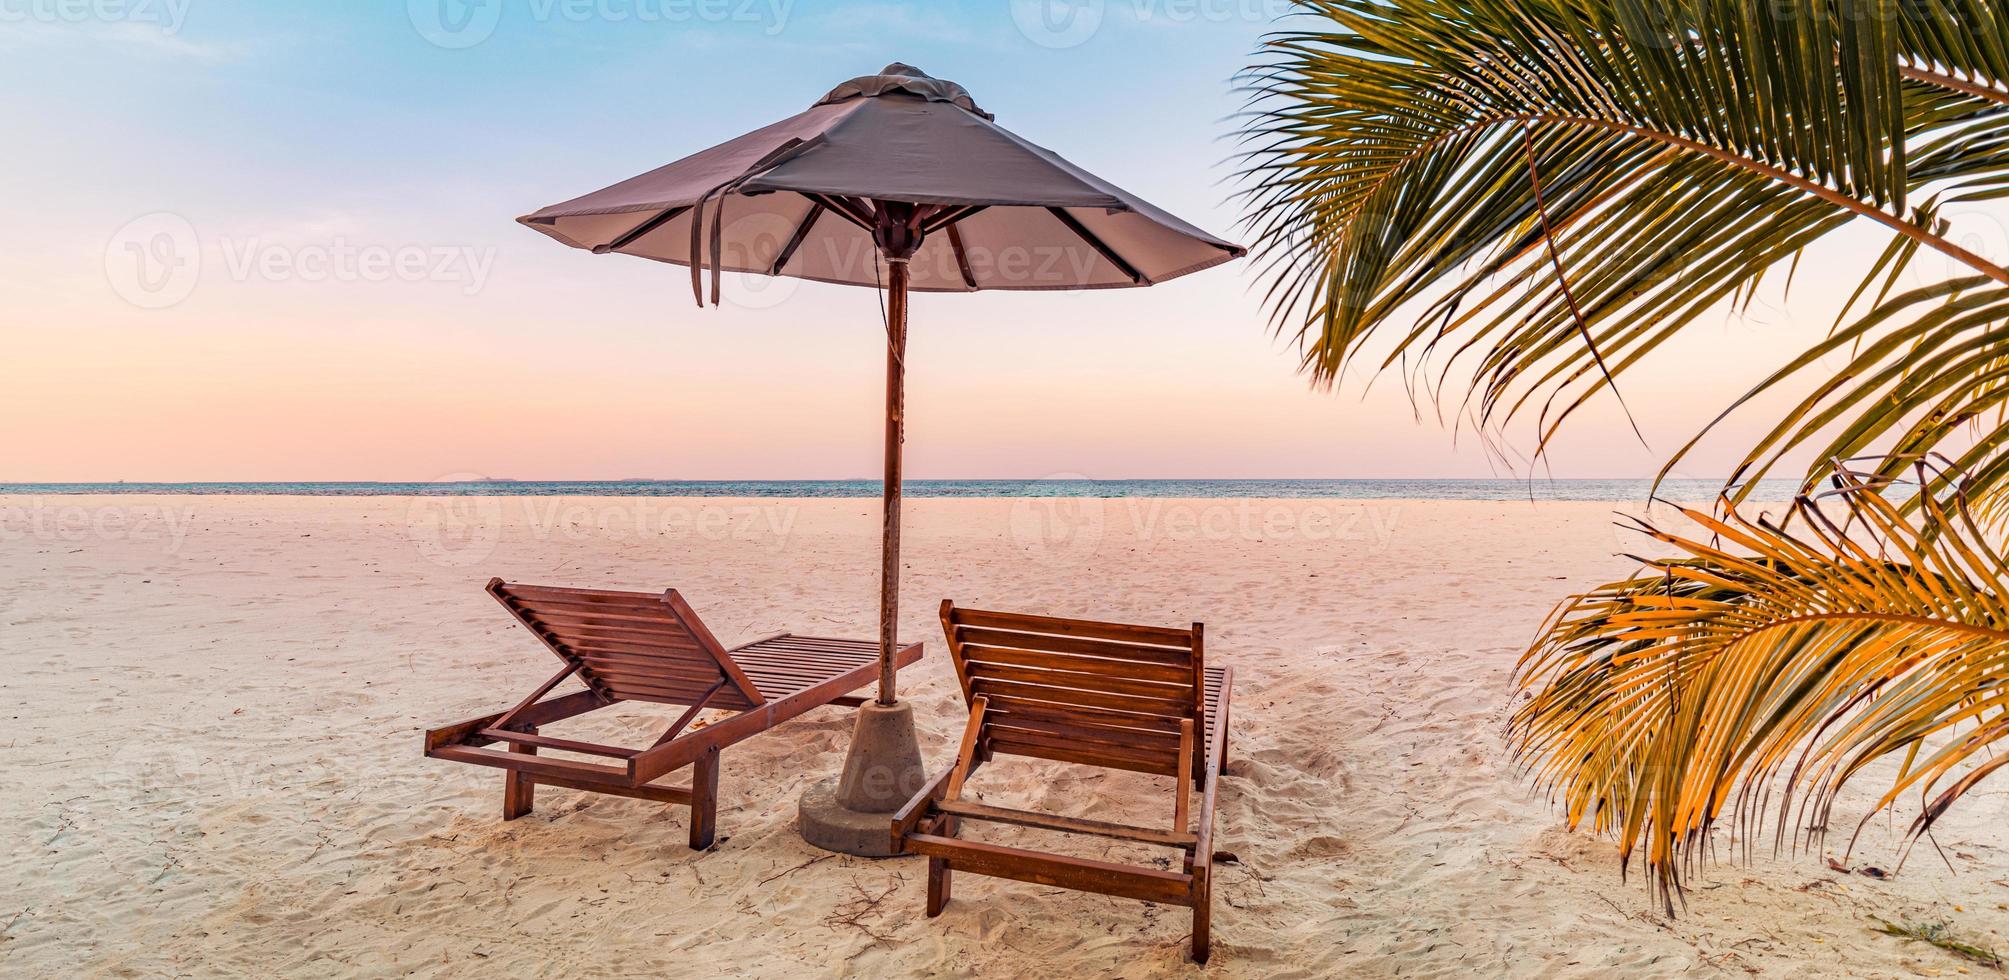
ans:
(269, 243)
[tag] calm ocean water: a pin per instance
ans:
(1508, 489)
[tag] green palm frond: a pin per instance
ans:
(1769, 659)
(1683, 150)
(1540, 193)
(1925, 370)
(1956, 43)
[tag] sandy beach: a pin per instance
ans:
(213, 709)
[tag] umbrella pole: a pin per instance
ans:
(882, 769)
(896, 397)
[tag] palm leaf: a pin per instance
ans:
(1768, 660)
(1920, 371)
(1536, 195)
(1684, 150)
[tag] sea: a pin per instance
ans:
(1633, 490)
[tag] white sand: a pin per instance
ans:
(212, 712)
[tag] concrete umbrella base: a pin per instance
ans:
(852, 813)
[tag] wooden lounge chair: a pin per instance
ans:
(638, 646)
(1139, 698)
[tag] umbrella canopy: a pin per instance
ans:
(895, 179)
(795, 199)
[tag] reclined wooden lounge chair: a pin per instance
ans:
(1139, 698)
(638, 646)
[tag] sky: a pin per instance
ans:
(275, 241)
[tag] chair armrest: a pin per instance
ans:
(1203, 849)
(911, 813)
(541, 713)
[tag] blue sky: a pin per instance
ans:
(265, 106)
(301, 127)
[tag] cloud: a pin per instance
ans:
(161, 39)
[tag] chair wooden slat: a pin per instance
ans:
(637, 620)
(660, 635)
(640, 605)
(981, 684)
(647, 662)
(1022, 741)
(1075, 627)
(1154, 741)
(1054, 643)
(660, 686)
(1179, 673)
(1086, 756)
(1102, 716)
(1087, 680)
(567, 592)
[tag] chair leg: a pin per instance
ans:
(938, 869)
(704, 799)
(938, 886)
(1203, 907)
(518, 791)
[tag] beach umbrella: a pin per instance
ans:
(900, 181)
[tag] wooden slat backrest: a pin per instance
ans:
(1073, 690)
(631, 646)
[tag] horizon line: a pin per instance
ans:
(873, 479)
